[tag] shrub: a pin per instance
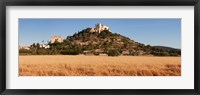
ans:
(113, 53)
(160, 53)
(24, 52)
(69, 52)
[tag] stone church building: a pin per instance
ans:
(56, 38)
(99, 27)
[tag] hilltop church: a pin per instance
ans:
(99, 27)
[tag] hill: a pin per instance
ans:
(100, 41)
(106, 42)
(166, 48)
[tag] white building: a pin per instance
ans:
(44, 46)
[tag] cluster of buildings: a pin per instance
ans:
(46, 46)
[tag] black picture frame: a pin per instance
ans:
(4, 3)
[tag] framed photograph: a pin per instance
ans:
(129, 47)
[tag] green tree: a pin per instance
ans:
(24, 52)
(113, 53)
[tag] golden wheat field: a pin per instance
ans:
(65, 65)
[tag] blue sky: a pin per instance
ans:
(162, 32)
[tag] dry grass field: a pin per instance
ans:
(64, 65)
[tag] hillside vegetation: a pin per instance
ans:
(93, 43)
